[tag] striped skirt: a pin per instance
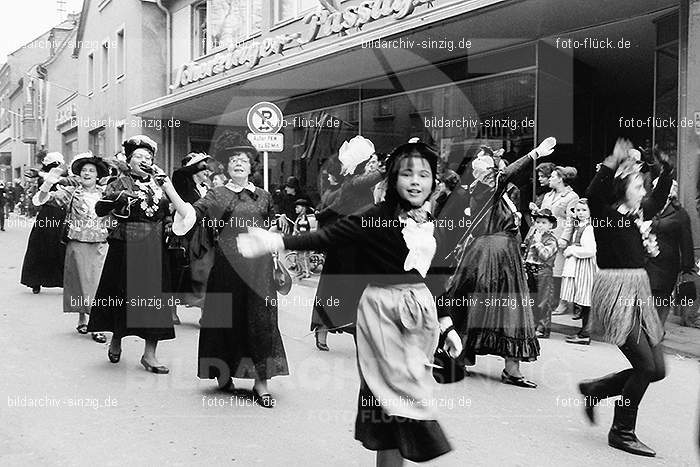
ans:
(577, 280)
(621, 298)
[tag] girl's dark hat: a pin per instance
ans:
(78, 163)
(301, 202)
(545, 214)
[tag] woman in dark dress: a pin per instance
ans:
(191, 181)
(359, 173)
(487, 293)
(130, 299)
(239, 337)
(43, 261)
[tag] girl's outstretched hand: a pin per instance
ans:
(258, 242)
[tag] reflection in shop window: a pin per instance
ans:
(199, 29)
(385, 107)
(233, 21)
(287, 9)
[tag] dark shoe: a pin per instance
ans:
(114, 357)
(228, 387)
(264, 400)
(99, 337)
(36, 290)
(520, 382)
(578, 340)
(320, 345)
(621, 435)
(541, 334)
(577, 313)
(589, 401)
(160, 370)
(82, 329)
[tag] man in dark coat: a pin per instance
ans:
(675, 240)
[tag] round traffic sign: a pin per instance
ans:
(264, 117)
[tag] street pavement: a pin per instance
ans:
(94, 412)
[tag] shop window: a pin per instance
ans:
(288, 9)
(385, 108)
(232, 21)
(120, 54)
(353, 113)
(666, 83)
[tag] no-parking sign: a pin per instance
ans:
(265, 118)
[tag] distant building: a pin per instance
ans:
(22, 100)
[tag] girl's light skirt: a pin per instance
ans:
(397, 334)
(620, 298)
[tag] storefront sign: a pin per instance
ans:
(324, 23)
(320, 23)
(66, 114)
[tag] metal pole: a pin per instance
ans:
(266, 173)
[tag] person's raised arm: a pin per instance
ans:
(517, 172)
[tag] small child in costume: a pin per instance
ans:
(579, 268)
(540, 248)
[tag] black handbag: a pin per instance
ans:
(446, 369)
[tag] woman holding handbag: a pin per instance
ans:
(85, 235)
(239, 336)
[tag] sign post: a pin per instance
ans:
(265, 121)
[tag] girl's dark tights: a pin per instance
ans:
(647, 367)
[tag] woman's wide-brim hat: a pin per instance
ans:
(87, 158)
(545, 214)
(192, 164)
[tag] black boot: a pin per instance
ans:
(621, 435)
(595, 390)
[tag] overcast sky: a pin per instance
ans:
(23, 20)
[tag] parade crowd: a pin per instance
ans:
(425, 271)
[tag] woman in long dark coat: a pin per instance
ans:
(43, 261)
(337, 295)
(130, 300)
(239, 337)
